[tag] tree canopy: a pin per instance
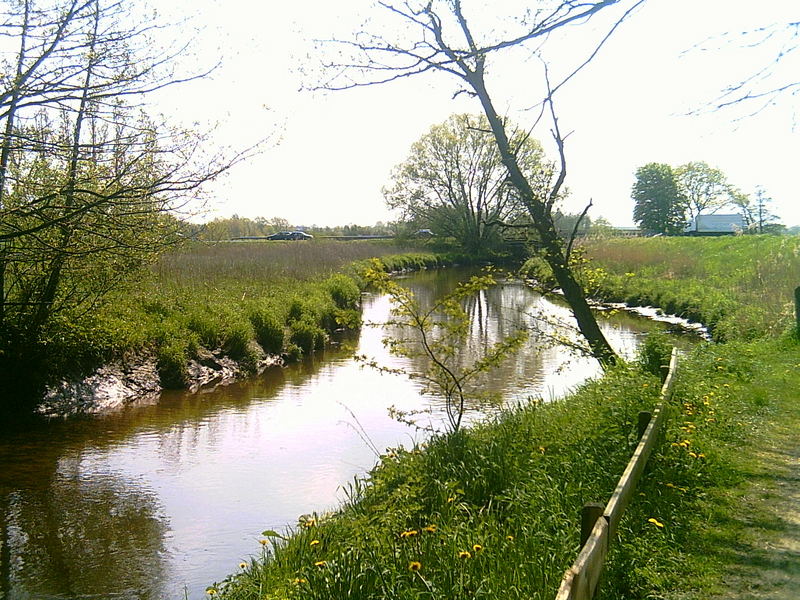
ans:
(659, 205)
(454, 181)
(703, 188)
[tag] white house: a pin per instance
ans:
(715, 224)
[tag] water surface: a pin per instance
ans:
(160, 500)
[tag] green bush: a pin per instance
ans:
(172, 364)
(654, 354)
(344, 291)
(207, 326)
(238, 338)
(307, 336)
(268, 329)
(293, 352)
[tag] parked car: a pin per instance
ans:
(281, 235)
(423, 233)
(290, 235)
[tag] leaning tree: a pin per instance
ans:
(441, 36)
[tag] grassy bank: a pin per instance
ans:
(246, 299)
(493, 511)
(741, 287)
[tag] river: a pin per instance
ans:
(159, 500)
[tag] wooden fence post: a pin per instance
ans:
(644, 421)
(797, 308)
(590, 512)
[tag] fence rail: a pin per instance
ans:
(599, 526)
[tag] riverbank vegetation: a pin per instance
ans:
(492, 511)
(244, 300)
(741, 287)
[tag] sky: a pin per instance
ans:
(646, 97)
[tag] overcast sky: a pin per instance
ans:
(641, 100)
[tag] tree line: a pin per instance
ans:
(666, 198)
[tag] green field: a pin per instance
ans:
(492, 512)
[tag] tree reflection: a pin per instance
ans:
(71, 536)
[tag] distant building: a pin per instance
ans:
(715, 225)
(627, 231)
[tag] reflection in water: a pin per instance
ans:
(68, 534)
(162, 499)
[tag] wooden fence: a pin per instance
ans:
(598, 523)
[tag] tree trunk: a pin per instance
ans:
(543, 223)
(45, 303)
(5, 152)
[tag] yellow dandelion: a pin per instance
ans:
(477, 548)
(414, 566)
(510, 538)
(464, 554)
(451, 499)
(701, 455)
(314, 543)
(298, 580)
(656, 522)
(242, 565)
(409, 533)
(262, 542)
(320, 563)
(429, 529)
(542, 449)
(692, 454)
(211, 591)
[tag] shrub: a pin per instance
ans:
(293, 352)
(307, 336)
(206, 326)
(238, 338)
(344, 291)
(171, 362)
(654, 354)
(269, 331)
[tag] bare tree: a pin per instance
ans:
(444, 41)
(775, 77)
(88, 181)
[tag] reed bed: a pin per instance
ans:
(260, 261)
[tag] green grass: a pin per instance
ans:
(483, 513)
(742, 287)
(492, 512)
(514, 488)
